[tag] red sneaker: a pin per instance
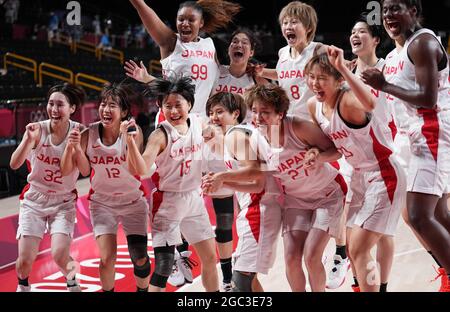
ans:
(445, 285)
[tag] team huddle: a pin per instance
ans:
(319, 147)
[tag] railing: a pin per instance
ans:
(33, 68)
(43, 72)
(111, 53)
(86, 46)
(64, 40)
(91, 78)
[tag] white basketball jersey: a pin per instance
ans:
(364, 148)
(390, 72)
(229, 83)
(271, 187)
(297, 181)
(383, 110)
(292, 78)
(110, 176)
(195, 60)
(180, 164)
(404, 74)
(44, 164)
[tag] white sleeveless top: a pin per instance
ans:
(44, 164)
(292, 78)
(401, 72)
(296, 181)
(365, 148)
(229, 83)
(195, 60)
(110, 176)
(258, 144)
(180, 164)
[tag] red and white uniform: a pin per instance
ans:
(213, 162)
(259, 220)
(226, 82)
(198, 61)
(116, 195)
(378, 181)
(292, 78)
(178, 205)
(313, 197)
(401, 141)
(48, 200)
(429, 128)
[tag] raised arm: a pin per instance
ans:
(142, 164)
(425, 53)
(164, 37)
(366, 100)
(29, 141)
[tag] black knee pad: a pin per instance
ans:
(164, 259)
(224, 208)
(137, 247)
(142, 271)
(224, 236)
(242, 282)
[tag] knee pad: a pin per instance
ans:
(224, 208)
(137, 247)
(164, 258)
(224, 236)
(142, 271)
(242, 282)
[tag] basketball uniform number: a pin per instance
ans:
(296, 172)
(185, 168)
(199, 72)
(113, 173)
(53, 176)
(295, 92)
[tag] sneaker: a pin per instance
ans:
(176, 278)
(356, 288)
(185, 264)
(21, 288)
(445, 286)
(227, 287)
(338, 272)
(75, 288)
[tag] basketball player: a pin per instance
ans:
(116, 194)
(298, 25)
(259, 220)
(419, 80)
(314, 194)
(48, 200)
(178, 207)
(185, 53)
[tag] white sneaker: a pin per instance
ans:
(176, 278)
(336, 277)
(21, 288)
(227, 287)
(185, 264)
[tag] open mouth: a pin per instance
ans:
(106, 119)
(319, 94)
(175, 118)
(238, 54)
(393, 26)
(186, 33)
(56, 118)
(291, 37)
(356, 43)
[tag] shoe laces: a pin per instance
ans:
(174, 267)
(188, 262)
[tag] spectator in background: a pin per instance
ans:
(12, 11)
(105, 42)
(53, 28)
(139, 34)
